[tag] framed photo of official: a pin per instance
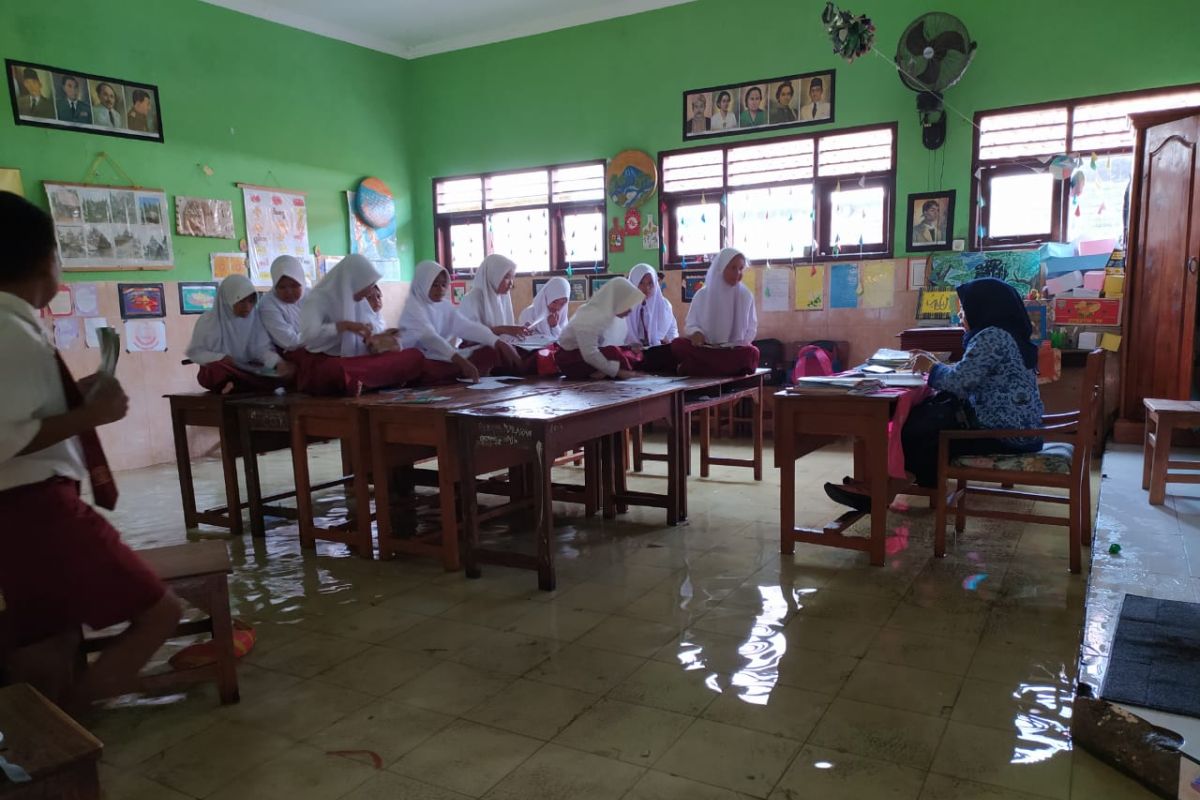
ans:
(768, 104)
(52, 97)
(930, 217)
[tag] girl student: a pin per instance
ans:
(435, 327)
(652, 325)
(231, 346)
(590, 345)
(721, 323)
(346, 350)
(279, 309)
(489, 302)
(546, 317)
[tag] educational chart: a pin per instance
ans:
(1017, 268)
(276, 225)
(377, 244)
(776, 284)
(110, 227)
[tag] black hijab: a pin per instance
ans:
(992, 303)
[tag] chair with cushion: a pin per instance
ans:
(1064, 462)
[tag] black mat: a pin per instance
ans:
(1155, 660)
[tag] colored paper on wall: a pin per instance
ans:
(145, 336)
(226, 264)
(843, 286)
(1110, 342)
(87, 299)
(810, 288)
(879, 284)
(916, 273)
(750, 280)
(90, 326)
(62, 304)
(276, 225)
(67, 333)
(937, 304)
(776, 284)
(10, 181)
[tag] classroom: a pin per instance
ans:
(552, 399)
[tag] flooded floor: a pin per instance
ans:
(690, 662)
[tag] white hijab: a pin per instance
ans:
(659, 316)
(333, 299)
(599, 315)
(421, 315)
(483, 303)
(286, 267)
(220, 330)
(557, 288)
(720, 311)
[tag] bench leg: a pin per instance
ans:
(233, 499)
(183, 461)
(1158, 467)
(1148, 450)
(222, 629)
(705, 434)
(636, 435)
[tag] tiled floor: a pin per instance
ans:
(688, 662)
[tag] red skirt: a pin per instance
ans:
(714, 362)
(437, 373)
(575, 368)
(350, 376)
(62, 565)
(217, 375)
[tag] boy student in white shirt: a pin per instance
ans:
(62, 565)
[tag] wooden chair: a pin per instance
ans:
(62, 758)
(1063, 463)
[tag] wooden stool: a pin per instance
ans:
(197, 572)
(1162, 418)
(59, 755)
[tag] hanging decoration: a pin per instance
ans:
(631, 178)
(650, 237)
(851, 35)
(616, 236)
(633, 222)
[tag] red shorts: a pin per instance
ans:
(350, 376)
(62, 565)
(576, 369)
(216, 376)
(714, 362)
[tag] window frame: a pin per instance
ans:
(982, 173)
(822, 187)
(443, 221)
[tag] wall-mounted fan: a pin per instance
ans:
(934, 52)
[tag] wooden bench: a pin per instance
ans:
(59, 755)
(207, 410)
(198, 573)
(1162, 418)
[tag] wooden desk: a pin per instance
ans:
(540, 427)
(59, 755)
(208, 410)
(1162, 418)
(807, 422)
(407, 433)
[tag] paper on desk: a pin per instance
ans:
(649, 380)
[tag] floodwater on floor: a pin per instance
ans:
(672, 662)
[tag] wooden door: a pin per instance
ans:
(1165, 246)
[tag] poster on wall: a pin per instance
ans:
(199, 216)
(1020, 269)
(786, 102)
(50, 97)
(226, 264)
(276, 225)
(141, 300)
(377, 244)
(110, 227)
(197, 297)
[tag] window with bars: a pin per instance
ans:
(544, 219)
(785, 199)
(1019, 201)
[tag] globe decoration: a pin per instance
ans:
(374, 203)
(631, 178)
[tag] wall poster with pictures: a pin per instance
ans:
(785, 102)
(196, 297)
(930, 221)
(110, 227)
(50, 97)
(141, 300)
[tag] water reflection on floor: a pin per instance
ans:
(671, 662)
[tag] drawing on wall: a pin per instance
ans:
(1018, 268)
(197, 216)
(145, 336)
(110, 227)
(50, 97)
(141, 300)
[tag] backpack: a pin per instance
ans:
(811, 360)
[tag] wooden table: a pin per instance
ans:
(406, 432)
(59, 755)
(208, 410)
(1162, 418)
(807, 421)
(540, 427)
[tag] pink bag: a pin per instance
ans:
(811, 360)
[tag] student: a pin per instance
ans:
(721, 323)
(231, 346)
(546, 317)
(489, 301)
(993, 386)
(652, 326)
(279, 309)
(432, 325)
(62, 565)
(345, 351)
(589, 347)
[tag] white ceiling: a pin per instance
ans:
(414, 28)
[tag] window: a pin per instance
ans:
(781, 199)
(544, 219)
(1018, 201)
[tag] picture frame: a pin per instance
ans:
(141, 300)
(51, 97)
(579, 289)
(102, 227)
(458, 290)
(596, 282)
(693, 281)
(916, 273)
(1038, 313)
(201, 216)
(929, 221)
(196, 297)
(788, 101)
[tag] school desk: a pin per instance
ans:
(208, 410)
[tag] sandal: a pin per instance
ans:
(838, 494)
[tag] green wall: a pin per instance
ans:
(256, 102)
(592, 91)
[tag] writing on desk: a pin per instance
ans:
(503, 434)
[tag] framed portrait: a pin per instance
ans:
(141, 300)
(197, 297)
(579, 289)
(51, 97)
(102, 227)
(783, 102)
(930, 221)
(693, 281)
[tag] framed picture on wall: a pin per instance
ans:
(579, 289)
(693, 281)
(783, 102)
(197, 297)
(141, 300)
(930, 217)
(458, 290)
(51, 97)
(110, 227)
(596, 282)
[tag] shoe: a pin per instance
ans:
(838, 494)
